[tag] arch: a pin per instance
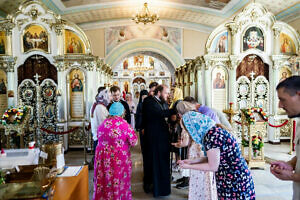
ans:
(262, 54)
(244, 69)
(139, 79)
(137, 45)
(36, 64)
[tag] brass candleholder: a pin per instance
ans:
(230, 112)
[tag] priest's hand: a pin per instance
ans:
(184, 165)
(184, 162)
(177, 144)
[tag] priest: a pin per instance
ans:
(156, 133)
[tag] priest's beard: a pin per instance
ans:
(162, 100)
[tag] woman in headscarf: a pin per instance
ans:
(99, 112)
(112, 174)
(233, 178)
(202, 185)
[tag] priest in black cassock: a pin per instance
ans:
(156, 133)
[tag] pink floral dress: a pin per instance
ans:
(112, 174)
(202, 184)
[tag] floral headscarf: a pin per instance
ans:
(197, 125)
(102, 98)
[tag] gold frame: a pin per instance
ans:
(69, 117)
(242, 38)
(228, 43)
(35, 49)
(6, 44)
(64, 41)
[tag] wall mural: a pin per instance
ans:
(286, 44)
(73, 43)
(2, 42)
(252, 63)
(35, 37)
(116, 35)
(3, 92)
(220, 43)
(253, 38)
(76, 78)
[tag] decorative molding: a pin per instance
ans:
(276, 30)
(280, 60)
(233, 28)
(33, 13)
(87, 62)
(7, 26)
(7, 63)
(21, 22)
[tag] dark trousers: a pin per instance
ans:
(95, 145)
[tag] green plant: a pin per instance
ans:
(257, 144)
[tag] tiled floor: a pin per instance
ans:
(267, 187)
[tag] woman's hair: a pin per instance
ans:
(183, 107)
(223, 127)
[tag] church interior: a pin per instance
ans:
(228, 55)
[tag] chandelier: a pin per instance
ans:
(145, 17)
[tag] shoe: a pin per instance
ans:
(148, 188)
(184, 184)
(180, 180)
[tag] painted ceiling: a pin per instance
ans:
(206, 14)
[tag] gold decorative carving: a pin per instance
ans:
(7, 26)
(233, 28)
(56, 24)
(21, 22)
(7, 63)
(285, 131)
(33, 13)
(277, 31)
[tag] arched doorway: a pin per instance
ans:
(40, 95)
(138, 84)
(37, 64)
(252, 77)
(136, 71)
(252, 63)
